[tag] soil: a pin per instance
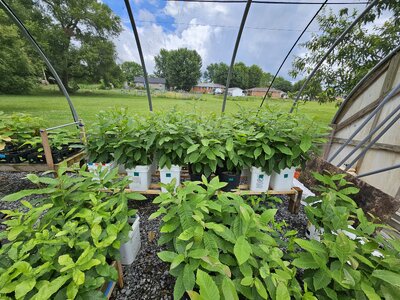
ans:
(148, 276)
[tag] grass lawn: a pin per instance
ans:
(53, 107)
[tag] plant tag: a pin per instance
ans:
(285, 175)
(2, 156)
(261, 176)
(135, 173)
(168, 175)
(231, 179)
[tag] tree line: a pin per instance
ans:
(77, 36)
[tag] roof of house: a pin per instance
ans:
(234, 88)
(210, 85)
(152, 80)
(263, 89)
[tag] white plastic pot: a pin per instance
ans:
(259, 180)
(313, 233)
(283, 181)
(166, 176)
(140, 177)
(130, 249)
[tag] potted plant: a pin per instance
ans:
(174, 137)
(135, 151)
(68, 239)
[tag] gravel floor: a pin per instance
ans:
(147, 277)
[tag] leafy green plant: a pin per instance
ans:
(229, 245)
(61, 245)
(351, 261)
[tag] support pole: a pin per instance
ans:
(338, 40)
(139, 47)
(372, 114)
(379, 171)
(30, 38)
(47, 149)
(228, 80)
(290, 51)
(362, 153)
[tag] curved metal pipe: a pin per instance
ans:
(290, 51)
(27, 34)
(338, 40)
(139, 47)
(245, 13)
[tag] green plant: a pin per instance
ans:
(351, 261)
(229, 245)
(61, 245)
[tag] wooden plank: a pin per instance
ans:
(376, 146)
(329, 144)
(27, 167)
(47, 149)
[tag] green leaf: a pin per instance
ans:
(282, 292)
(177, 261)
(65, 260)
(311, 246)
(321, 279)
(228, 289)
(208, 288)
(388, 276)
(49, 288)
(188, 278)
(24, 287)
(25, 193)
(72, 290)
(96, 231)
(179, 289)
(284, 149)
(198, 253)
(305, 261)
(369, 291)
(247, 281)
(242, 250)
(305, 143)
(260, 288)
(78, 277)
(167, 256)
(192, 148)
(229, 144)
(268, 215)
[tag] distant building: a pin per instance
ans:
(208, 88)
(154, 83)
(260, 92)
(235, 92)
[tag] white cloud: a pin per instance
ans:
(195, 29)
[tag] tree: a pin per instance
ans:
(217, 73)
(181, 68)
(282, 84)
(266, 79)
(79, 29)
(255, 75)
(362, 49)
(17, 71)
(130, 70)
(240, 76)
(312, 91)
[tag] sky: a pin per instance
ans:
(211, 30)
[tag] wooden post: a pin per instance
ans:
(47, 149)
(294, 200)
(120, 275)
(82, 132)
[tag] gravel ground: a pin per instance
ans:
(147, 277)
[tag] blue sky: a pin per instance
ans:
(211, 30)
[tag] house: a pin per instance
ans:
(154, 83)
(235, 92)
(208, 88)
(260, 92)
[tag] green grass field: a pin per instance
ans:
(53, 107)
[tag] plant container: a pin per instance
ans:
(283, 181)
(259, 180)
(166, 176)
(130, 249)
(140, 177)
(196, 176)
(231, 178)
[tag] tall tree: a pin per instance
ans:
(130, 70)
(266, 79)
(311, 92)
(363, 48)
(77, 28)
(240, 76)
(255, 75)
(282, 84)
(217, 73)
(181, 68)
